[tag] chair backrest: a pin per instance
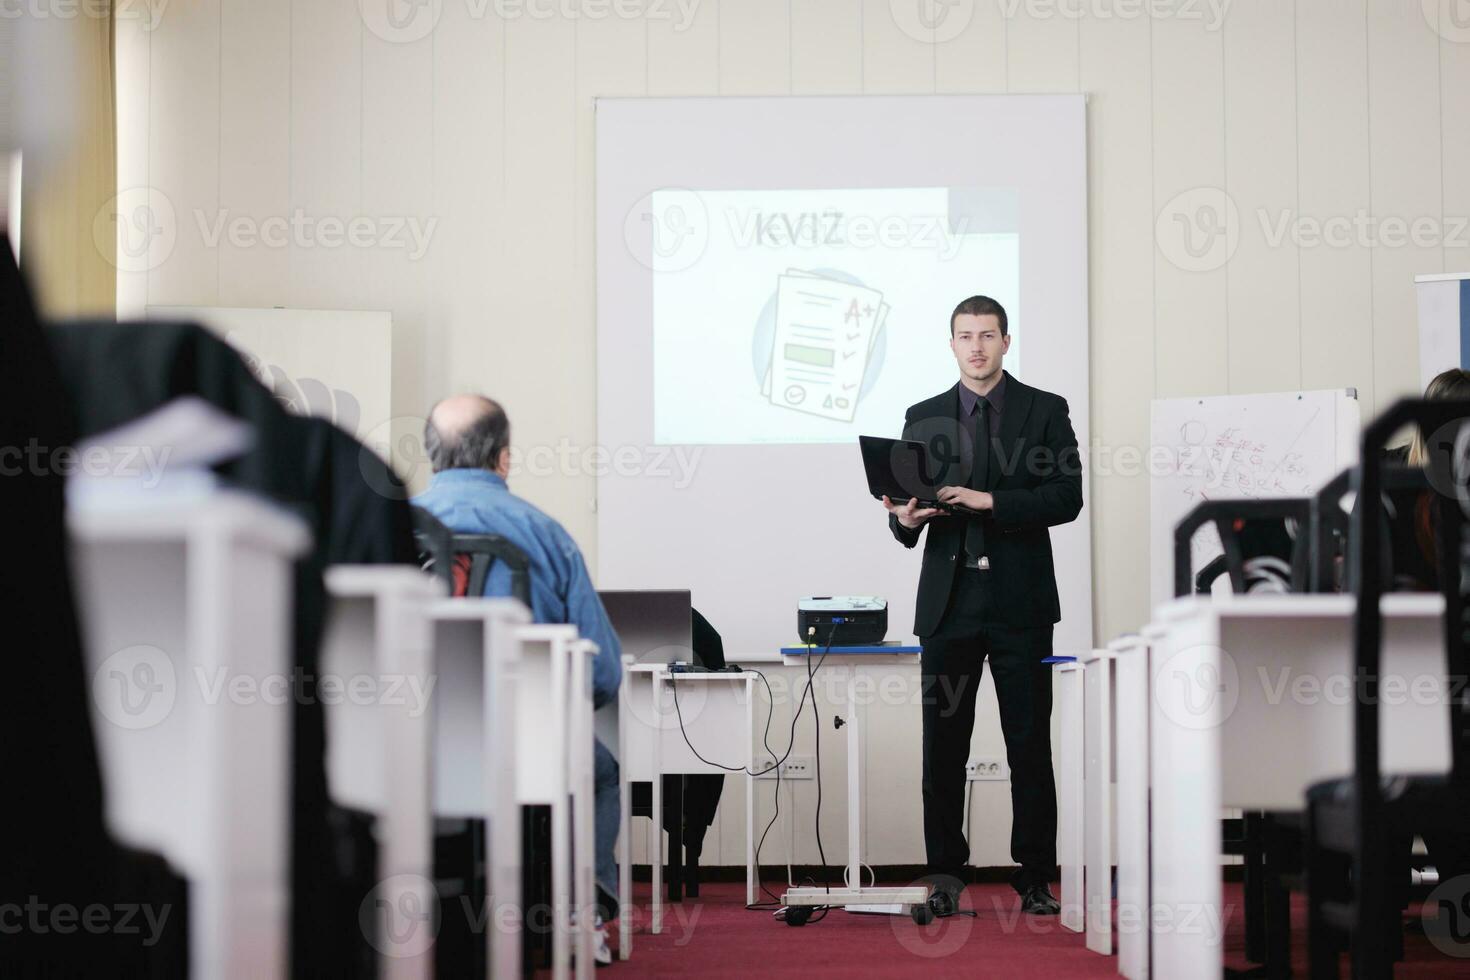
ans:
(435, 546)
(482, 550)
(1328, 534)
(1265, 542)
(464, 561)
(1403, 491)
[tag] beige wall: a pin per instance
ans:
(68, 174)
(1323, 109)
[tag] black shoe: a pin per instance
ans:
(944, 895)
(1038, 900)
(942, 903)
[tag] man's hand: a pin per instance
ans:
(911, 515)
(966, 499)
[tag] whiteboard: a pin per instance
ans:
(1233, 447)
(332, 364)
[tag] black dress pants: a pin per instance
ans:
(952, 664)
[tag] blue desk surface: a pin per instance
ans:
(873, 648)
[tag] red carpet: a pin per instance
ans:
(715, 936)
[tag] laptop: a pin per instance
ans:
(899, 470)
(653, 625)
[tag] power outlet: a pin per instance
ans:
(795, 767)
(799, 767)
(986, 769)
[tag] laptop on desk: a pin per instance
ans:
(653, 625)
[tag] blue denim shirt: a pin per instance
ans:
(478, 502)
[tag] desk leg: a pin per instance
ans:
(625, 852)
(656, 854)
(676, 841)
(1132, 810)
(504, 893)
(1253, 887)
(1277, 899)
(584, 887)
(1070, 844)
(750, 869)
(561, 888)
(1187, 911)
(854, 787)
(1097, 816)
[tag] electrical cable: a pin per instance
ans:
(872, 877)
(776, 765)
(817, 731)
(811, 672)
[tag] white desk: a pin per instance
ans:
(547, 763)
(1130, 717)
(1252, 703)
(714, 710)
(1097, 797)
(185, 605)
(637, 728)
(913, 898)
(610, 726)
(377, 644)
(580, 730)
(476, 650)
(1071, 705)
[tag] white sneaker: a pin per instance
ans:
(601, 952)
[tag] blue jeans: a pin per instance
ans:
(607, 811)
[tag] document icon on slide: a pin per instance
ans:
(825, 331)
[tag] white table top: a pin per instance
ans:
(1276, 606)
(242, 516)
(368, 580)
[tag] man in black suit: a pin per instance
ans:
(1009, 469)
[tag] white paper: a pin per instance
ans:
(825, 329)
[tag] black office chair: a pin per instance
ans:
(1355, 878)
(1266, 547)
(464, 561)
(1330, 569)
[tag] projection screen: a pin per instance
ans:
(774, 278)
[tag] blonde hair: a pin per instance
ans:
(1451, 385)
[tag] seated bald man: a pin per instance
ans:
(467, 438)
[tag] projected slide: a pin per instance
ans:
(809, 316)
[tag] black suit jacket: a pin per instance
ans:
(1036, 479)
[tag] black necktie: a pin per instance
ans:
(979, 474)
